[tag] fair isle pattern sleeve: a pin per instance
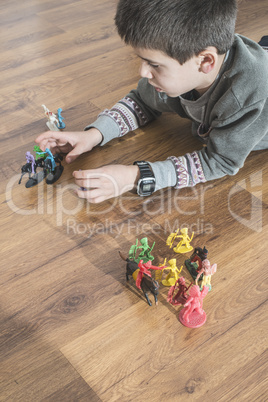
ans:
(127, 114)
(188, 169)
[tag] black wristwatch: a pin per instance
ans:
(146, 183)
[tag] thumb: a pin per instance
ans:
(71, 156)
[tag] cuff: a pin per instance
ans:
(107, 126)
(164, 173)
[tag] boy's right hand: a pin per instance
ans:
(72, 143)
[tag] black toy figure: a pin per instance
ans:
(48, 165)
(194, 263)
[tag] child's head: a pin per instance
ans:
(179, 28)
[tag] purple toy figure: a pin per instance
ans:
(30, 159)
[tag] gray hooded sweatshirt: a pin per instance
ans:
(231, 118)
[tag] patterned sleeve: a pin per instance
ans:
(189, 170)
(127, 114)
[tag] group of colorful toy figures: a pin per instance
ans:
(49, 165)
(139, 264)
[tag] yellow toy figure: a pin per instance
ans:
(173, 274)
(171, 238)
(184, 245)
(159, 273)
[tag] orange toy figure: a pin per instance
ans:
(181, 296)
(207, 270)
(184, 245)
(193, 315)
(173, 274)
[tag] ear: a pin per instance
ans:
(207, 61)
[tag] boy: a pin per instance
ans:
(192, 64)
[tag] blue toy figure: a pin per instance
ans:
(61, 125)
(51, 158)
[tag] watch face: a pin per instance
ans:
(146, 187)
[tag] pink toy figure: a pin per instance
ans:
(144, 269)
(192, 315)
(181, 296)
(207, 270)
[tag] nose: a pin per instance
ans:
(145, 71)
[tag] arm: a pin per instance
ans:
(229, 143)
(138, 108)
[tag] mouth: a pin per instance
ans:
(156, 88)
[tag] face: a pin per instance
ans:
(167, 75)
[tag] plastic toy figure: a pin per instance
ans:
(181, 295)
(145, 254)
(184, 245)
(194, 263)
(39, 153)
(29, 167)
(52, 171)
(207, 270)
(158, 273)
(173, 274)
(50, 158)
(48, 165)
(52, 122)
(144, 269)
(61, 125)
(30, 159)
(171, 238)
(193, 315)
(147, 283)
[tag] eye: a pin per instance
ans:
(153, 65)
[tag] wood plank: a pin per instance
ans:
(71, 327)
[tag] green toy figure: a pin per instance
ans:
(39, 153)
(145, 254)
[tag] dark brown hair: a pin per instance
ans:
(179, 28)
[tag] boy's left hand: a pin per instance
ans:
(105, 182)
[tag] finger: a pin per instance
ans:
(47, 135)
(47, 144)
(94, 196)
(89, 183)
(78, 150)
(86, 174)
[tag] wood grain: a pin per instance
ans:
(71, 328)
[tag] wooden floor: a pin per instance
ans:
(71, 328)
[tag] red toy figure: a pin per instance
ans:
(207, 270)
(144, 269)
(181, 296)
(192, 315)
(198, 256)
